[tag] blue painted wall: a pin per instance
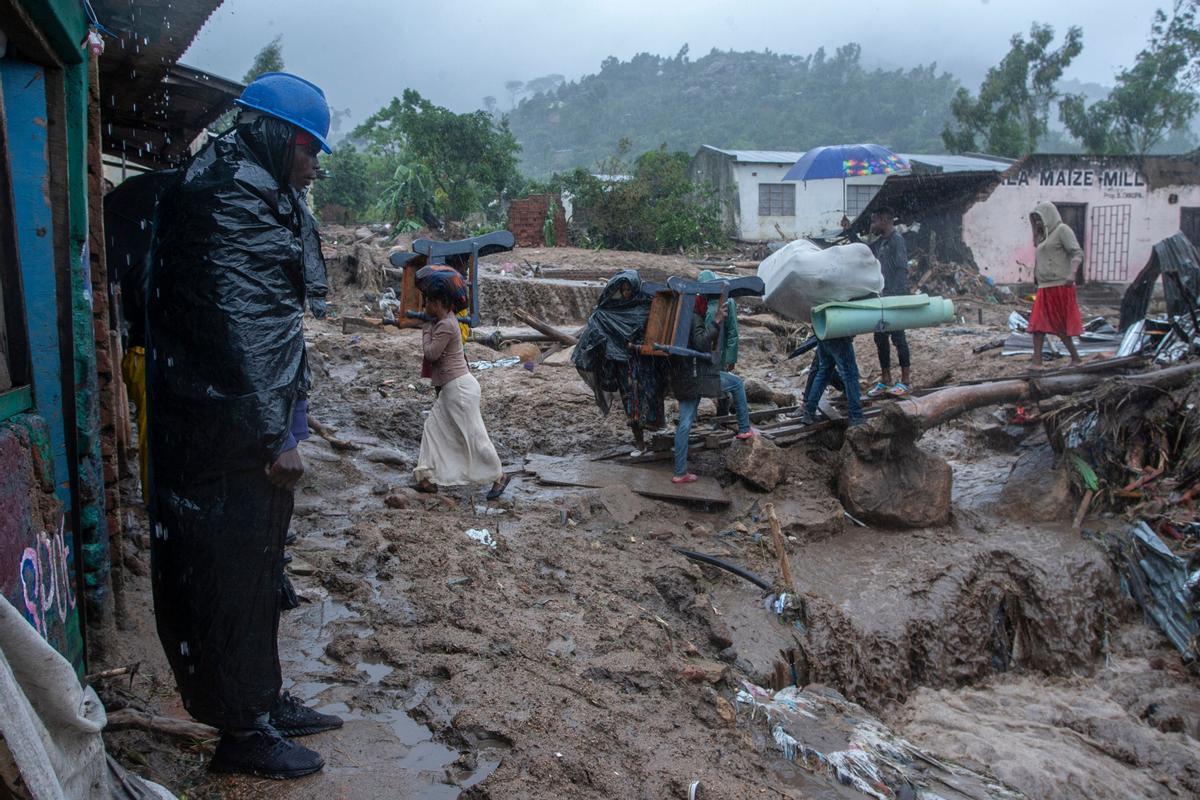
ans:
(25, 108)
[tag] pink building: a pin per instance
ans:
(1118, 206)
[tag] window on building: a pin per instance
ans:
(858, 198)
(777, 199)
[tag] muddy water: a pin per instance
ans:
(382, 751)
(551, 666)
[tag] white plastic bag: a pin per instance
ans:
(801, 275)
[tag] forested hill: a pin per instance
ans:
(729, 99)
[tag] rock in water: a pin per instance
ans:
(886, 480)
(759, 461)
(1036, 490)
(759, 392)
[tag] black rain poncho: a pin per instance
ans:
(225, 367)
(603, 348)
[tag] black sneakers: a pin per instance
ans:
(264, 752)
(292, 718)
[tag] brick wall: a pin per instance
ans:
(527, 216)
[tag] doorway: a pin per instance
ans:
(1074, 215)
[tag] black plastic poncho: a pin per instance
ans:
(129, 212)
(615, 324)
(225, 367)
(225, 305)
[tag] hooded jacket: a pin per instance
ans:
(729, 341)
(616, 323)
(1059, 254)
(694, 378)
(226, 302)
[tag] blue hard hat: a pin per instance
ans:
(292, 99)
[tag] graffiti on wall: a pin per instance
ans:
(47, 590)
(1114, 183)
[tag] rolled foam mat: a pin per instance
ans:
(855, 317)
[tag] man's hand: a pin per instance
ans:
(287, 469)
(722, 312)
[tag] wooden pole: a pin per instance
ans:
(542, 327)
(130, 718)
(785, 567)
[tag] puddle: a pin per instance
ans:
(375, 672)
(307, 691)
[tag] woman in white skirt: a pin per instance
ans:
(455, 447)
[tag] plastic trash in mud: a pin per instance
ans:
(389, 305)
(483, 536)
(510, 361)
(824, 733)
(1082, 431)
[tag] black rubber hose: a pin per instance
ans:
(713, 561)
(808, 344)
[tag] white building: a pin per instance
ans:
(758, 205)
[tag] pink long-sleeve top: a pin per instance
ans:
(443, 349)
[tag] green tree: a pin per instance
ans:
(269, 59)
(651, 205)
(470, 159)
(1153, 97)
(1009, 116)
(751, 100)
(348, 184)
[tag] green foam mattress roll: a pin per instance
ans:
(855, 317)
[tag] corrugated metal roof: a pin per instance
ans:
(140, 82)
(759, 156)
(949, 163)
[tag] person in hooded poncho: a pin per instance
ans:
(235, 257)
(608, 363)
(1055, 306)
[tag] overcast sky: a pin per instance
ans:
(364, 52)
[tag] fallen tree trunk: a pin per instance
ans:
(539, 325)
(775, 326)
(941, 406)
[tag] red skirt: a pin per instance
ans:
(1056, 311)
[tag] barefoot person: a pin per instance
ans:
(455, 448)
(1055, 307)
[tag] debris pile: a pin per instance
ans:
(961, 280)
(1166, 586)
(1136, 449)
(1099, 337)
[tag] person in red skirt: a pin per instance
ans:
(1055, 308)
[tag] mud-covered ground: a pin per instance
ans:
(582, 657)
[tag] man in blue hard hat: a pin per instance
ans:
(227, 376)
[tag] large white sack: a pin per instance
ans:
(801, 275)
